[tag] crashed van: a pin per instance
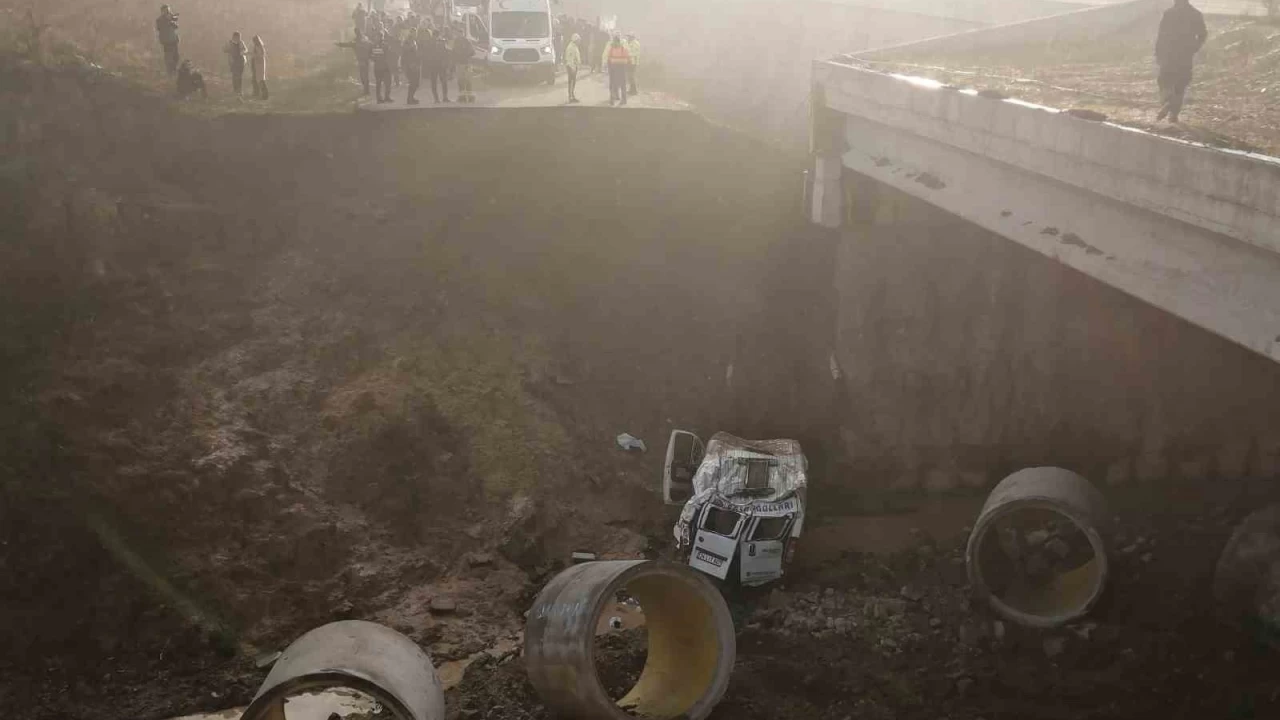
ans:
(744, 503)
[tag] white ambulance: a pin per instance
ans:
(521, 36)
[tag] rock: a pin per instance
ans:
(482, 559)
(843, 625)
(1146, 557)
(963, 685)
(997, 630)
(475, 532)
(1036, 538)
(1085, 630)
(581, 557)
(829, 592)
(1053, 646)
(778, 600)
(443, 606)
(914, 594)
(887, 607)
(1129, 549)
(935, 622)
(1058, 548)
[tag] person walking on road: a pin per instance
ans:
(1182, 34)
(259, 61)
(461, 54)
(394, 46)
(381, 69)
(435, 63)
(237, 55)
(618, 60)
(633, 47)
(364, 53)
(411, 60)
(167, 33)
(573, 61)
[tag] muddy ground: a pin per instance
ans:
(261, 373)
(894, 635)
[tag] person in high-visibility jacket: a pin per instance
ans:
(633, 47)
(619, 59)
(572, 62)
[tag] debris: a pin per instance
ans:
(1146, 557)
(443, 605)
(997, 630)
(935, 622)
(963, 684)
(266, 659)
(581, 557)
(627, 441)
(914, 594)
(1085, 630)
(482, 559)
(615, 622)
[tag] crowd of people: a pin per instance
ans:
(582, 46)
(239, 56)
(414, 47)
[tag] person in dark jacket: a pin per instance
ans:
(381, 68)
(237, 58)
(435, 63)
(411, 61)
(460, 54)
(167, 33)
(1182, 34)
(364, 52)
(190, 81)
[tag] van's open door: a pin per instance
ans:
(684, 455)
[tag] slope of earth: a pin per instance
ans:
(1232, 101)
(262, 372)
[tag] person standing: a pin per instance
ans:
(259, 69)
(167, 32)
(633, 47)
(381, 69)
(573, 61)
(411, 60)
(364, 52)
(461, 54)
(237, 55)
(1182, 34)
(394, 46)
(618, 60)
(360, 18)
(435, 62)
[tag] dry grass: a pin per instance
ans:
(1234, 101)
(306, 70)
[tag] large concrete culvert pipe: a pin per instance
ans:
(363, 656)
(691, 642)
(1246, 580)
(1038, 554)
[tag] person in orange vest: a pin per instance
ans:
(619, 61)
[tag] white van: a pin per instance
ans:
(521, 36)
(744, 503)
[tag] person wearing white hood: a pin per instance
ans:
(572, 62)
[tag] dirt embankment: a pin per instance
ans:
(264, 372)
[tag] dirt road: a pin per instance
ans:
(523, 91)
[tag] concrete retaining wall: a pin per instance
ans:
(966, 356)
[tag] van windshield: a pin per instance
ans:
(521, 25)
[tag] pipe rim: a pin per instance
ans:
(974, 565)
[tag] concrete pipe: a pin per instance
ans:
(691, 642)
(1246, 581)
(363, 656)
(1037, 554)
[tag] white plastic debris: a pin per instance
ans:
(627, 441)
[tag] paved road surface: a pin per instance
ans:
(522, 91)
